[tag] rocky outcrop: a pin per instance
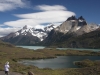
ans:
(68, 25)
(77, 26)
(30, 73)
(81, 21)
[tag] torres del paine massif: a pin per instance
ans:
(73, 33)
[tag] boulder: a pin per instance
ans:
(30, 73)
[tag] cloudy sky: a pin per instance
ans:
(14, 14)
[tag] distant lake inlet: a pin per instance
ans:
(32, 47)
(42, 47)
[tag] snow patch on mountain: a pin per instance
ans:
(49, 27)
(78, 27)
(81, 20)
(16, 34)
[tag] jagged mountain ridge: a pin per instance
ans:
(72, 24)
(28, 35)
(51, 35)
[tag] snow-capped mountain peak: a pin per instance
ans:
(49, 27)
(27, 27)
(30, 31)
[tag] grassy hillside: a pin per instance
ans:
(5, 44)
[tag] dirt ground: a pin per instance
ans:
(10, 73)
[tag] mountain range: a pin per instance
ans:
(69, 34)
(28, 35)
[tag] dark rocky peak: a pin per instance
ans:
(25, 27)
(81, 21)
(81, 18)
(72, 18)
